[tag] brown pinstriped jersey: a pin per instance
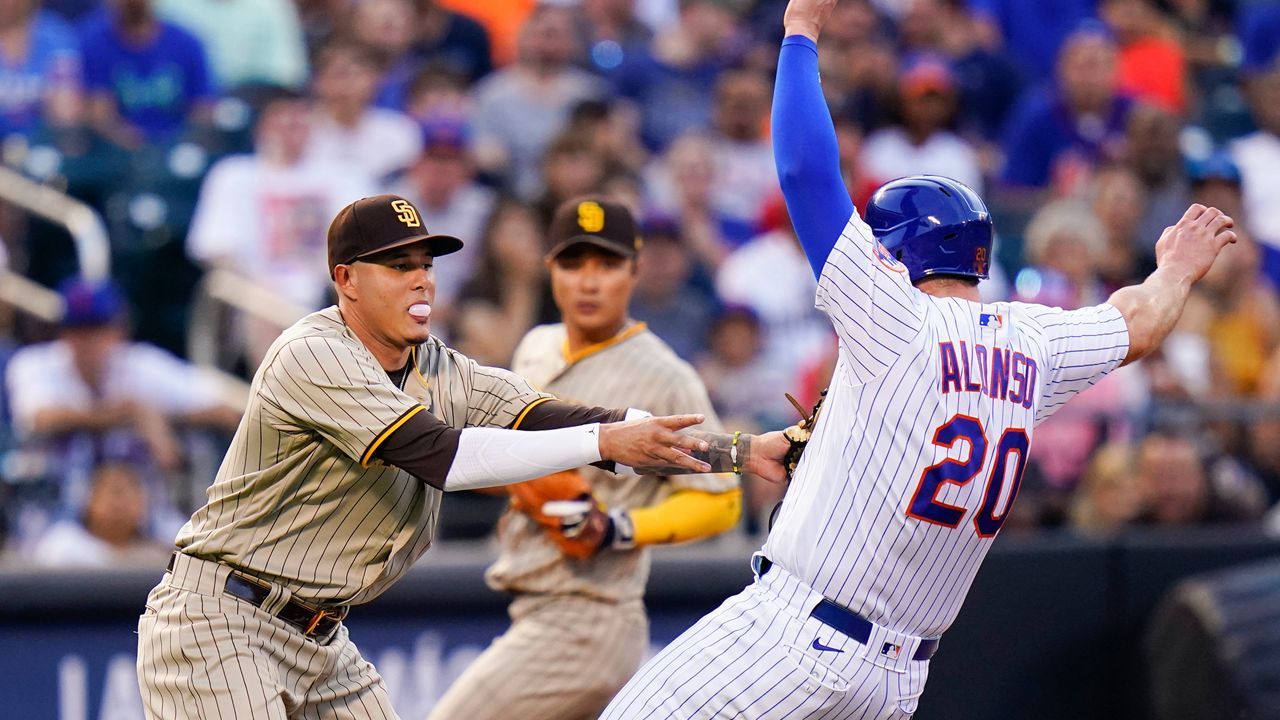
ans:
(634, 369)
(300, 498)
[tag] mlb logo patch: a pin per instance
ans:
(990, 320)
(891, 651)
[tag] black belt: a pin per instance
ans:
(839, 617)
(314, 623)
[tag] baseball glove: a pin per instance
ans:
(798, 435)
(563, 505)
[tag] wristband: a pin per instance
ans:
(733, 453)
(624, 531)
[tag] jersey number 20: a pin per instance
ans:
(925, 504)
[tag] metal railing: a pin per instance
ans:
(93, 255)
(223, 289)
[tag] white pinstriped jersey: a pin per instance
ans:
(923, 437)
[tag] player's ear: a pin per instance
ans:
(344, 281)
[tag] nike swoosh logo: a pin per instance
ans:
(819, 646)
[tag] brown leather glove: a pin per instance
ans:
(798, 435)
(563, 505)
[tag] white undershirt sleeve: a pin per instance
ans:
(493, 456)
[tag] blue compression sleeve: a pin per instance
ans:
(806, 153)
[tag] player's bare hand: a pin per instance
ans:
(1190, 247)
(766, 459)
(653, 442)
(806, 17)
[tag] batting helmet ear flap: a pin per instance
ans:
(934, 226)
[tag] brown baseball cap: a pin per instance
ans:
(373, 224)
(594, 221)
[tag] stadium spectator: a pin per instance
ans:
(740, 376)
(264, 215)
(1152, 62)
(1109, 497)
(682, 185)
(671, 296)
(612, 30)
(1119, 202)
(745, 178)
(1258, 156)
(40, 78)
(1064, 244)
(247, 41)
(519, 110)
(506, 293)
(1179, 490)
(410, 36)
(850, 135)
(385, 28)
(146, 80)
(1033, 33)
(770, 276)
(442, 185)
(611, 130)
(435, 92)
(1155, 155)
(672, 81)
(1237, 313)
(1057, 134)
(452, 39)
(987, 81)
(744, 387)
(348, 131)
(112, 529)
(922, 143)
(570, 168)
(503, 23)
(92, 388)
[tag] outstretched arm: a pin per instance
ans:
(804, 139)
(1184, 253)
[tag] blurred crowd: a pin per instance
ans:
(221, 136)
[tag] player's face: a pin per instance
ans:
(391, 290)
(592, 288)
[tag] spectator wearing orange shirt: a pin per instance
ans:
(1152, 61)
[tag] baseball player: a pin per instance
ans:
(579, 628)
(922, 440)
(331, 487)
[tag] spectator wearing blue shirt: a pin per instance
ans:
(1058, 133)
(1032, 31)
(39, 70)
(146, 79)
(674, 79)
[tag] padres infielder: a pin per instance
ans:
(921, 443)
(332, 484)
(579, 628)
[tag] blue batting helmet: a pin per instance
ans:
(933, 225)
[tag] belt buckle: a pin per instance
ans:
(316, 619)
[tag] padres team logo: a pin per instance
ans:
(406, 213)
(590, 216)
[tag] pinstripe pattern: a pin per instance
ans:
(206, 655)
(291, 502)
(874, 439)
(293, 505)
(563, 659)
(641, 372)
(844, 531)
(753, 658)
(578, 626)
